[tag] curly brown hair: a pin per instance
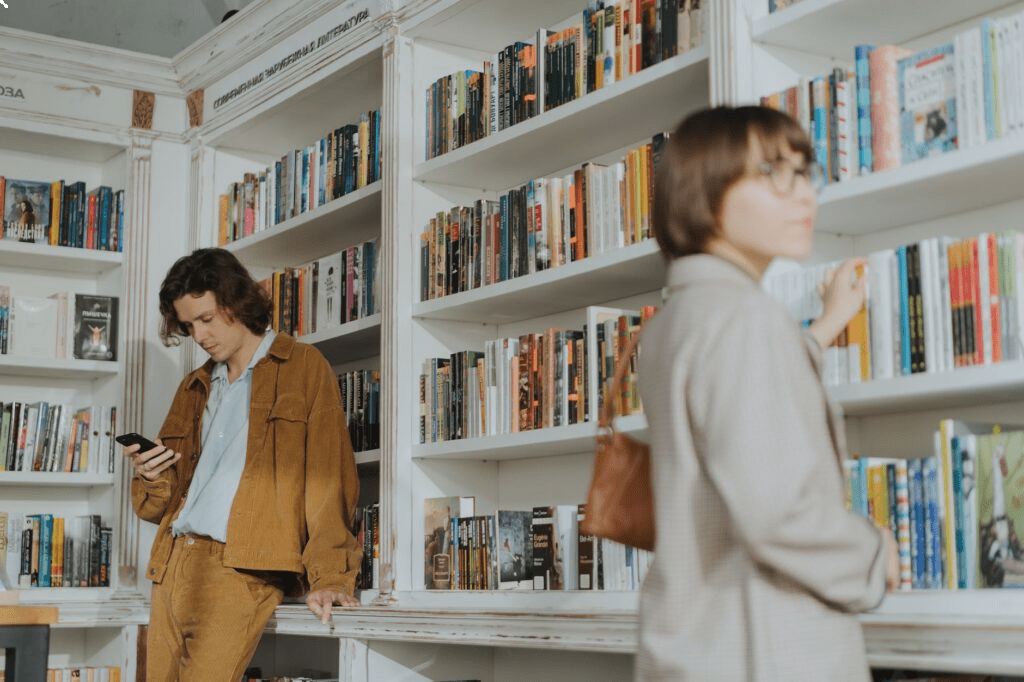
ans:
(220, 272)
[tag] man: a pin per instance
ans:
(254, 484)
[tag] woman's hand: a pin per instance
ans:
(842, 295)
(892, 562)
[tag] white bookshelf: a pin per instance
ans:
(356, 340)
(345, 221)
(833, 27)
(63, 259)
(550, 442)
(626, 112)
(55, 479)
(962, 387)
(635, 269)
(57, 368)
(957, 182)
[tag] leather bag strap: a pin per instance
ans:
(606, 419)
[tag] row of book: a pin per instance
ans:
(44, 550)
(344, 160)
(339, 288)
(62, 214)
(81, 674)
(360, 396)
(543, 224)
(955, 514)
(533, 381)
(932, 306)
(52, 437)
(367, 532)
(61, 325)
(897, 106)
(536, 549)
(605, 43)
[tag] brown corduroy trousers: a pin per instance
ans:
(206, 618)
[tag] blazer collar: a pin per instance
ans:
(702, 267)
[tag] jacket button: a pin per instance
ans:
(195, 456)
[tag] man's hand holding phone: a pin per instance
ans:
(149, 458)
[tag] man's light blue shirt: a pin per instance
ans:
(225, 436)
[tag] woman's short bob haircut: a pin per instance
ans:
(709, 151)
(220, 272)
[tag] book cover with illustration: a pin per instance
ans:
(96, 320)
(1000, 482)
(27, 211)
(438, 513)
(515, 549)
(928, 116)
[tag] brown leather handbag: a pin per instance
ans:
(620, 502)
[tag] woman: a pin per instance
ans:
(759, 564)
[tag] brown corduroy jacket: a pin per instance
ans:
(295, 503)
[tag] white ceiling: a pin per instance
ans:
(159, 27)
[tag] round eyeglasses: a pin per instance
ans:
(782, 173)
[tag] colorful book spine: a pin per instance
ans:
(905, 351)
(863, 99)
(917, 523)
(885, 106)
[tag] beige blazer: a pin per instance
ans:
(759, 565)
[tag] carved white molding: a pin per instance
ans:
(607, 633)
(134, 300)
(97, 64)
(259, 26)
(395, 303)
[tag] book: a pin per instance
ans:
(928, 102)
(27, 211)
(33, 326)
(95, 324)
(1000, 473)
(438, 513)
(515, 549)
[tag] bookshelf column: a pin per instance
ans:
(396, 303)
(134, 315)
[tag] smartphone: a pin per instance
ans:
(127, 439)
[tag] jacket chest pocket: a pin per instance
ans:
(177, 434)
(286, 422)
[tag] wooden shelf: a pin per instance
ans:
(625, 113)
(962, 387)
(635, 269)
(356, 340)
(833, 27)
(54, 368)
(346, 221)
(58, 258)
(949, 184)
(551, 442)
(55, 479)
